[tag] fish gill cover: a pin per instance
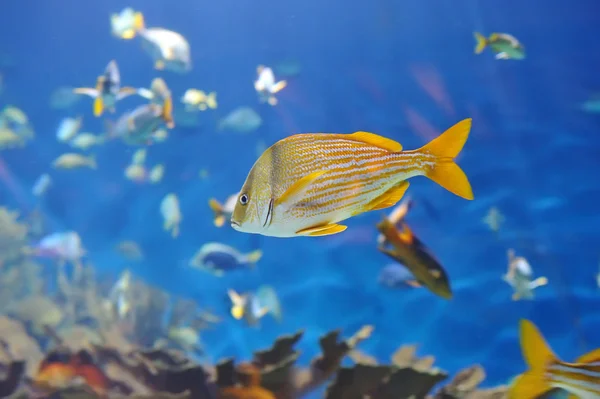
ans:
(127, 130)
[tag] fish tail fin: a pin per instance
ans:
(92, 162)
(211, 100)
(167, 112)
(481, 42)
(445, 148)
(138, 22)
(538, 356)
(217, 209)
(254, 257)
(98, 106)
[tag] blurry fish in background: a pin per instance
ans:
(85, 141)
(169, 209)
(71, 160)
(223, 211)
(494, 219)
(404, 247)
(15, 128)
(506, 46)
(119, 298)
(63, 98)
(159, 93)
(108, 89)
(547, 372)
(10, 139)
(195, 99)
(218, 259)
(62, 246)
(395, 276)
(287, 68)
(520, 277)
(130, 250)
(251, 307)
(68, 128)
(137, 172)
(139, 157)
(123, 24)
(41, 185)
(169, 50)
(242, 120)
(139, 126)
(297, 188)
(186, 337)
(265, 85)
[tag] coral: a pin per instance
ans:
(12, 236)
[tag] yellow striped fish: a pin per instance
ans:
(546, 372)
(306, 183)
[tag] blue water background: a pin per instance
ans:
(532, 153)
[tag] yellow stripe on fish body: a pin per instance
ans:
(306, 183)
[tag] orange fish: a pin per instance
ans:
(305, 184)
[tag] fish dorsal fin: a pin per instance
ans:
(590, 357)
(376, 140)
(298, 189)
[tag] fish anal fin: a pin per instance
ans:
(376, 140)
(322, 230)
(389, 198)
(297, 190)
(98, 106)
(590, 357)
(528, 385)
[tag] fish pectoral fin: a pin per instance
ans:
(502, 56)
(389, 198)
(277, 87)
(538, 282)
(87, 91)
(322, 230)
(125, 92)
(98, 106)
(376, 140)
(297, 190)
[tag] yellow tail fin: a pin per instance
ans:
(138, 22)
(538, 356)
(254, 257)
(217, 208)
(167, 113)
(481, 43)
(98, 105)
(446, 147)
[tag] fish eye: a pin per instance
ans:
(244, 199)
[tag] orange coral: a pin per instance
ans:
(249, 380)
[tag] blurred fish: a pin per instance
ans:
(108, 90)
(219, 259)
(14, 115)
(397, 276)
(139, 157)
(156, 173)
(520, 277)
(265, 85)
(123, 24)
(408, 250)
(504, 45)
(41, 185)
(253, 307)
(138, 127)
(306, 183)
(119, 296)
(130, 250)
(84, 141)
(546, 371)
(170, 50)
(186, 337)
(136, 173)
(72, 160)
(68, 128)
(62, 246)
(63, 98)
(169, 208)
(223, 211)
(10, 139)
(197, 99)
(242, 119)
(494, 219)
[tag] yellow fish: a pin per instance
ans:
(305, 184)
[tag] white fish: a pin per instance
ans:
(242, 119)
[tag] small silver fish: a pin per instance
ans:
(137, 127)
(219, 258)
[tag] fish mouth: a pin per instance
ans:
(235, 225)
